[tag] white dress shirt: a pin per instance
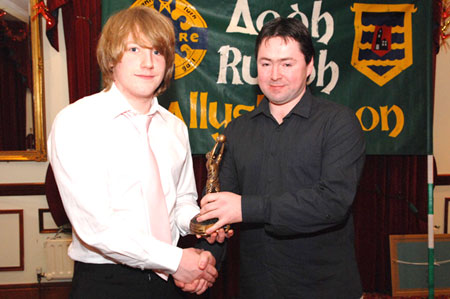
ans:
(96, 155)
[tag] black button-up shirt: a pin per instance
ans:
(298, 180)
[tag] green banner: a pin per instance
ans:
(374, 57)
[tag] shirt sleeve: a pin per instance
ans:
(74, 154)
(186, 206)
(327, 202)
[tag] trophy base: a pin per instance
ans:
(199, 228)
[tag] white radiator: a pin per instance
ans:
(59, 264)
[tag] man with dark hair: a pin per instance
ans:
(289, 175)
(123, 167)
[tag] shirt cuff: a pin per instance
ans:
(252, 209)
(172, 257)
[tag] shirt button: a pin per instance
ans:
(149, 277)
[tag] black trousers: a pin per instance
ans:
(112, 281)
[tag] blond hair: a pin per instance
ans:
(148, 28)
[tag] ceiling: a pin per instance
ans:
(17, 8)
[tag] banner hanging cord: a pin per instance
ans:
(421, 264)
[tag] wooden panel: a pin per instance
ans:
(22, 189)
(60, 290)
(442, 180)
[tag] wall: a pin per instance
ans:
(441, 132)
(56, 97)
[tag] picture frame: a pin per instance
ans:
(409, 264)
(46, 223)
(446, 212)
(11, 255)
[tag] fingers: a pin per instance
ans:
(211, 238)
(229, 233)
(208, 198)
(192, 287)
(210, 274)
(207, 264)
(206, 273)
(189, 267)
(206, 258)
(179, 284)
(214, 237)
(226, 207)
(215, 205)
(208, 208)
(222, 235)
(209, 212)
(217, 229)
(198, 286)
(202, 286)
(217, 236)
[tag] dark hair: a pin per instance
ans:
(287, 28)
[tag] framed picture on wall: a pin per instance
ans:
(409, 264)
(11, 238)
(46, 223)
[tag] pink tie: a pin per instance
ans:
(153, 191)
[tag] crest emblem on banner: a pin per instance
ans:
(190, 33)
(382, 48)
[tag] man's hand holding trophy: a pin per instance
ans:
(213, 159)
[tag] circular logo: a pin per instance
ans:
(190, 33)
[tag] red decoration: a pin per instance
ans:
(445, 21)
(444, 27)
(43, 10)
(15, 33)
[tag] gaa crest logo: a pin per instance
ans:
(382, 48)
(190, 33)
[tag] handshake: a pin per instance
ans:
(197, 271)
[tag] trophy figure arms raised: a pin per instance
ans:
(213, 159)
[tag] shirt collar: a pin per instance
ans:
(118, 104)
(303, 107)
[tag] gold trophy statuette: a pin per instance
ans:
(213, 159)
